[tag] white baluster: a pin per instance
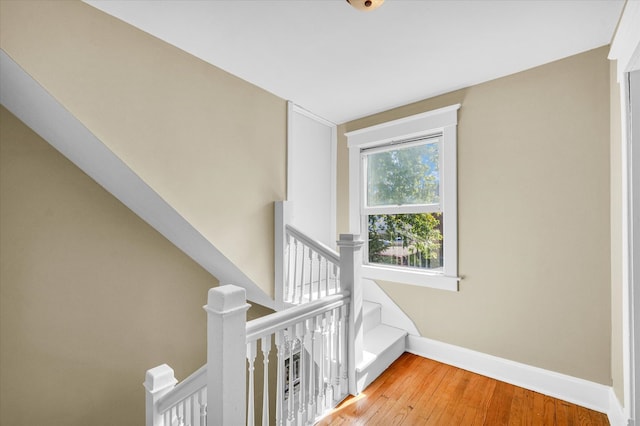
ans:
(302, 405)
(203, 407)
(291, 377)
(323, 363)
(174, 415)
(302, 278)
(294, 282)
(192, 411)
(326, 277)
(311, 323)
(331, 373)
(251, 357)
(265, 345)
(320, 259)
(311, 253)
(288, 280)
(280, 349)
(338, 348)
(344, 377)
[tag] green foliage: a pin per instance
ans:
(418, 233)
(403, 176)
(399, 177)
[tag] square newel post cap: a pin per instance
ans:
(159, 378)
(226, 299)
(350, 240)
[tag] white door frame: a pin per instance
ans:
(625, 49)
(633, 373)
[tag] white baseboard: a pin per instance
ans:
(567, 388)
(616, 414)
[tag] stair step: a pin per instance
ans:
(382, 346)
(371, 314)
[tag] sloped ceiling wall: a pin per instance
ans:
(211, 145)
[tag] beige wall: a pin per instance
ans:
(533, 198)
(90, 296)
(212, 145)
(617, 372)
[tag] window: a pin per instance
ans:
(403, 198)
(401, 210)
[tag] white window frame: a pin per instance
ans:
(442, 121)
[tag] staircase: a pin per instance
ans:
(325, 342)
(383, 344)
(309, 270)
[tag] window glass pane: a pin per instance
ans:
(403, 176)
(413, 240)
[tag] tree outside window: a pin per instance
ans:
(402, 204)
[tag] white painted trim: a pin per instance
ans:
(444, 121)
(625, 47)
(404, 128)
(35, 107)
(334, 182)
(585, 393)
(626, 249)
(633, 290)
(616, 414)
(281, 218)
(391, 314)
(354, 192)
(449, 181)
(290, 148)
(412, 277)
(300, 110)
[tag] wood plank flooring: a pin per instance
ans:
(419, 391)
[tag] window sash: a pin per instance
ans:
(403, 208)
(365, 209)
(403, 143)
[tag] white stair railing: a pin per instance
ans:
(312, 270)
(310, 344)
(168, 404)
(310, 351)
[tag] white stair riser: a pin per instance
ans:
(372, 316)
(382, 362)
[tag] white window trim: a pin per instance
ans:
(625, 49)
(444, 121)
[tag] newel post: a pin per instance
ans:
(350, 280)
(158, 381)
(226, 356)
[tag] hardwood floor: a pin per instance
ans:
(419, 391)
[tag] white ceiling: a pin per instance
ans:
(343, 64)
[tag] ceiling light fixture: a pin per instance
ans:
(365, 5)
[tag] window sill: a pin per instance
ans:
(422, 279)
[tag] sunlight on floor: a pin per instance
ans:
(347, 402)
